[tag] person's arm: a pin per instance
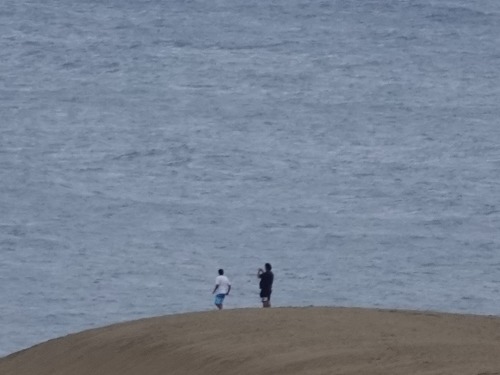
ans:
(216, 287)
(260, 272)
(228, 289)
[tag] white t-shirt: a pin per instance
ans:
(223, 283)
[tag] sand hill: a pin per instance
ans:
(274, 341)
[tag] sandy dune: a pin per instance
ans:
(274, 341)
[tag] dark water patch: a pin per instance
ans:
(181, 44)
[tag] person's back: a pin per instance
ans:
(222, 287)
(223, 282)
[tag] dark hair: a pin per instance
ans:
(221, 271)
(268, 266)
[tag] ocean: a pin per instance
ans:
(145, 144)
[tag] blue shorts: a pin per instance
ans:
(219, 298)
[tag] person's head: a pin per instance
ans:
(221, 271)
(268, 266)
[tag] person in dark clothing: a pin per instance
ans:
(266, 284)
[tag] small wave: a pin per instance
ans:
(135, 154)
(460, 15)
(71, 65)
(307, 226)
(274, 225)
(236, 47)
(127, 156)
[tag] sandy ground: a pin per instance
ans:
(274, 341)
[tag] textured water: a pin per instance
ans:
(144, 144)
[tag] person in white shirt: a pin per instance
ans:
(222, 287)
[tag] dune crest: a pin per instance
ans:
(274, 341)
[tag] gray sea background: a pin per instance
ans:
(145, 144)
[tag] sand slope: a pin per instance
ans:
(274, 341)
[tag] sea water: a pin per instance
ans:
(146, 144)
